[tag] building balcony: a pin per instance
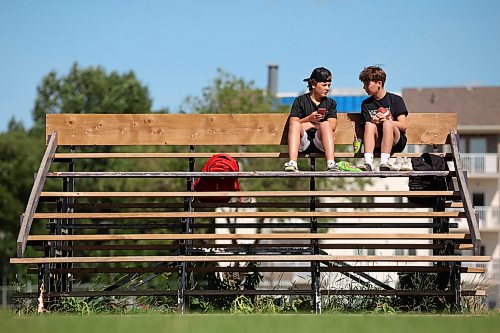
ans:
(488, 218)
(480, 164)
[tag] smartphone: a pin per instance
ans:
(322, 111)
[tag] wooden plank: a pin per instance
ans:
(219, 129)
(262, 269)
(248, 174)
(275, 292)
(41, 175)
(279, 194)
(464, 192)
(274, 236)
(318, 214)
(65, 156)
(96, 206)
(250, 258)
(254, 247)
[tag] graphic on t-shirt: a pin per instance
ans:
(386, 112)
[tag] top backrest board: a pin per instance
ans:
(218, 129)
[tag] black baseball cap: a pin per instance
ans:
(320, 74)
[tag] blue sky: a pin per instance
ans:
(175, 47)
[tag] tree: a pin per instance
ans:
(20, 153)
(90, 90)
(83, 90)
(230, 94)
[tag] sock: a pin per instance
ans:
(293, 162)
(369, 158)
(330, 162)
(384, 158)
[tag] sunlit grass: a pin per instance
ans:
(217, 323)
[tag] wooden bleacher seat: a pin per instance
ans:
(76, 218)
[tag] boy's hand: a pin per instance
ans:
(315, 117)
(375, 120)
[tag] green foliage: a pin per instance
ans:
(422, 281)
(223, 281)
(21, 153)
(266, 305)
(90, 90)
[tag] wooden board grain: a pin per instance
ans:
(219, 129)
(253, 258)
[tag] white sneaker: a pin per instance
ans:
(291, 166)
(406, 164)
(332, 166)
(396, 166)
(401, 164)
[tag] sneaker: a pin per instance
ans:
(406, 164)
(365, 167)
(384, 167)
(396, 166)
(291, 166)
(333, 167)
(346, 166)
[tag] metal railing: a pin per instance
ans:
(480, 163)
(487, 216)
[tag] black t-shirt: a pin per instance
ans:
(394, 103)
(304, 106)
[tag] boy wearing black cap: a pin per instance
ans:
(313, 119)
(383, 117)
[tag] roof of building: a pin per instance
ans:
(474, 106)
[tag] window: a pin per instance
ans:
(477, 145)
(371, 252)
(412, 252)
(477, 199)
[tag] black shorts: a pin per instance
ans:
(398, 147)
(312, 147)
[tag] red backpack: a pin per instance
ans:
(218, 163)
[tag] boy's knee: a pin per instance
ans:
(326, 126)
(370, 127)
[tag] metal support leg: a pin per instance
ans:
(315, 265)
(44, 280)
(184, 245)
(455, 285)
(41, 288)
(68, 278)
(181, 288)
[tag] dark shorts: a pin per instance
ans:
(312, 147)
(397, 148)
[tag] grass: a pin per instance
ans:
(219, 323)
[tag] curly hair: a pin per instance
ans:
(372, 73)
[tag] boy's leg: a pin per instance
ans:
(294, 135)
(297, 141)
(370, 138)
(327, 138)
(390, 137)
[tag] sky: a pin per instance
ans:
(176, 47)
